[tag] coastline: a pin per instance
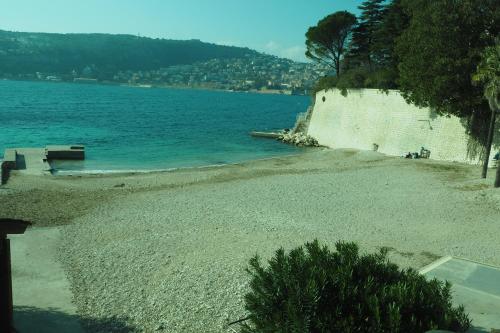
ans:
(124, 172)
(152, 86)
(185, 236)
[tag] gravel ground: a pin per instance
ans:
(167, 252)
(174, 259)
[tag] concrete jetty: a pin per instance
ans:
(74, 152)
(32, 161)
(270, 135)
(35, 161)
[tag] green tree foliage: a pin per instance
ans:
(316, 290)
(105, 54)
(488, 73)
(439, 53)
(394, 22)
(440, 50)
(327, 41)
(325, 83)
(371, 61)
(364, 32)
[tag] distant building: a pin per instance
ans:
(52, 78)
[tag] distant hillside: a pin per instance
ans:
(101, 55)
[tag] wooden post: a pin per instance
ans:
(497, 178)
(6, 306)
(7, 226)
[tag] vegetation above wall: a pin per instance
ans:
(369, 59)
(419, 48)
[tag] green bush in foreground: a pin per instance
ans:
(317, 290)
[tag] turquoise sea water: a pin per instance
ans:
(126, 128)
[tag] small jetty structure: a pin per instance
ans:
(35, 161)
(74, 152)
(270, 135)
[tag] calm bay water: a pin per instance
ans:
(125, 128)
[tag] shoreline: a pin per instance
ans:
(31, 197)
(125, 172)
(152, 86)
(25, 191)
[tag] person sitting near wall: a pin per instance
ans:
(408, 155)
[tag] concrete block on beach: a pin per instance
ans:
(35, 161)
(72, 152)
(32, 161)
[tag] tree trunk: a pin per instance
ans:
(337, 63)
(489, 142)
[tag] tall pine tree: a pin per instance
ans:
(363, 34)
(327, 41)
(394, 22)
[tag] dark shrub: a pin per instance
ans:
(316, 290)
(353, 79)
(325, 83)
(382, 79)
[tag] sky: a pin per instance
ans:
(272, 26)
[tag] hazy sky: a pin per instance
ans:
(272, 26)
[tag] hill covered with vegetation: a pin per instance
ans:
(101, 55)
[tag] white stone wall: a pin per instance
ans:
(369, 116)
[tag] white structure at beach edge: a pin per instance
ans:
(368, 117)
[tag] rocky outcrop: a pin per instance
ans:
(298, 135)
(299, 139)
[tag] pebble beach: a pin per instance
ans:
(167, 251)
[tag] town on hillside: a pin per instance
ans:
(260, 73)
(253, 72)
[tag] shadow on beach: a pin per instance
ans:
(20, 162)
(30, 319)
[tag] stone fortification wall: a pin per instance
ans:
(368, 116)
